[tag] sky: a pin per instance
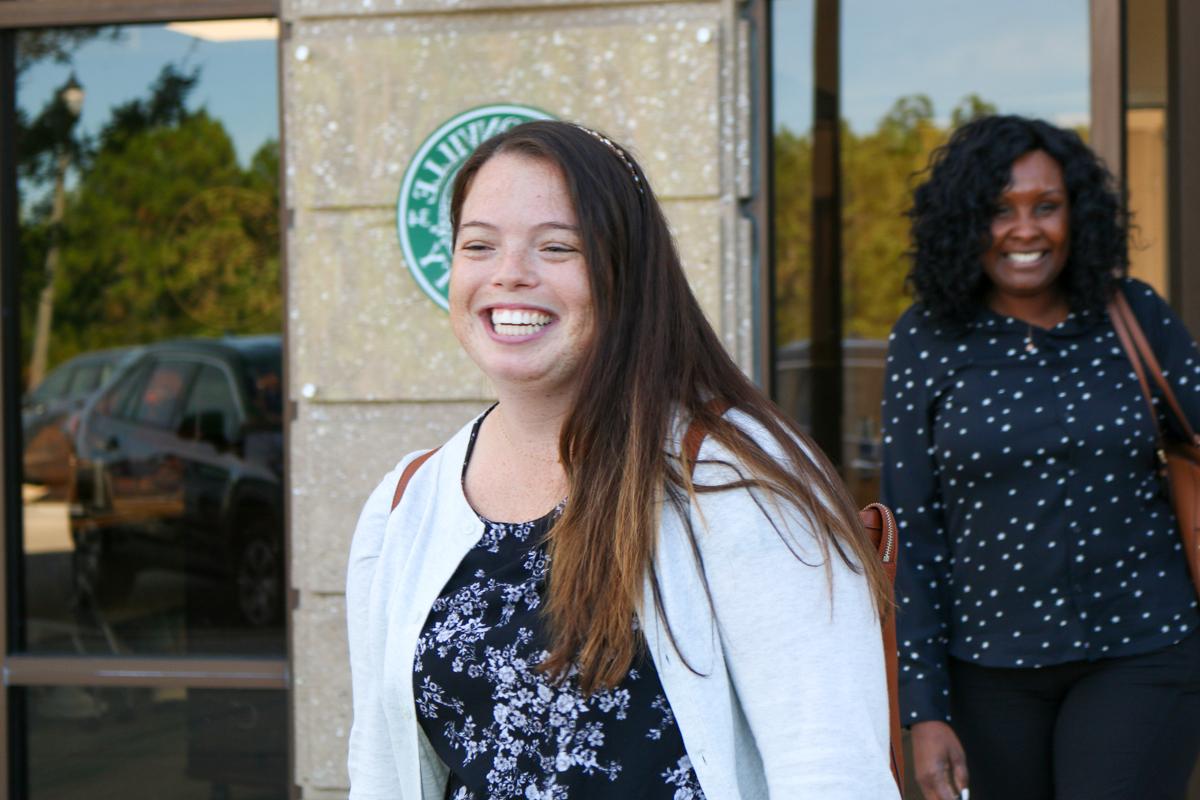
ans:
(1026, 56)
(237, 85)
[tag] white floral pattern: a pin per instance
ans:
(507, 730)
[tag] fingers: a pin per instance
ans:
(935, 784)
(958, 768)
(940, 763)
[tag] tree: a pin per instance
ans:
(970, 107)
(879, 171)
(793, 236)
(165, 235)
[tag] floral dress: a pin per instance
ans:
(504, 728)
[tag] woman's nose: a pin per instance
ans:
(1024, 226)
(513, 269)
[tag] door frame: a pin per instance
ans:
(21, 670)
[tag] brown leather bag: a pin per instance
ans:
(1179, 461)
(880, 525)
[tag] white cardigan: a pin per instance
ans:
(790, 700)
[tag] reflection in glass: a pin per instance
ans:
(910, 73)
(1146, 169)
(85, 743)
(792, 81)
(152, 473)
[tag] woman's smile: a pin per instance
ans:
(1026, 259)
(517, 324)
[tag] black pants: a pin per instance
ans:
(1118, 729)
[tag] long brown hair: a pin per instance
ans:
(655, 361)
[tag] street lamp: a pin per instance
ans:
(70, 96)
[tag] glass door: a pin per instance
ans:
(146, 642)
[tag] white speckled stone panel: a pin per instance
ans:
(696, 227)
(321, 692)
(339, 453)
(359, 327)
(369, 91)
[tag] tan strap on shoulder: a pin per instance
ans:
(1120, 322)
(407, 474)
(694, 437)
(1122, 315)
(881, 526)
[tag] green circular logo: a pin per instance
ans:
(423, 208)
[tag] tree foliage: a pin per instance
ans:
(165, 234)
(880, 168)
(793, 235)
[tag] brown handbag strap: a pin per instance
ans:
(1143, 349)
(1121, 325)
(407, 474)
(881, 526)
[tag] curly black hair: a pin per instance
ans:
(953, 208)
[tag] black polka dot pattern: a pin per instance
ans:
(1020, 464)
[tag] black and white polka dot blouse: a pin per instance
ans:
(1020, 463)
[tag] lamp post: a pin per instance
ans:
(66, 110)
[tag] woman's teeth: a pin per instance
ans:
(518, 322)
(1025, 258)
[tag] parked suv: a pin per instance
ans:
(179, 468)
(46, 409)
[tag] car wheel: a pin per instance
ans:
(258, 576)
(99, 576)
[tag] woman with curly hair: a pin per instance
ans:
(1047, 622)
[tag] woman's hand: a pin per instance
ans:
(939, 760)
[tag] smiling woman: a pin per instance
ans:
(534, 613)
(1046, 614)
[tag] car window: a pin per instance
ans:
(116, 401)
(84, 381)
(107, 369)
(160, 396)
(211, 412)
(264, 387)
(53, 385)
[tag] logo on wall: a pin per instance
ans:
(423, 208)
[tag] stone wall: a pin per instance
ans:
(374, 369)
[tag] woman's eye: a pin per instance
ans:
(1002, 211)
(1047, 208)
(558, 248)
(476, 246)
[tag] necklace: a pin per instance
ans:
(523, 451)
